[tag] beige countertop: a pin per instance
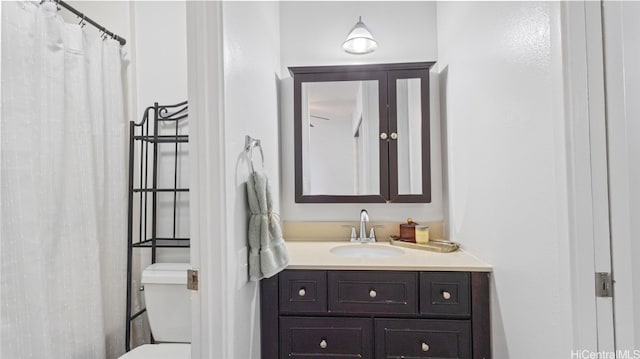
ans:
(317, 255)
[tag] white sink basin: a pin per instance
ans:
(366, 251)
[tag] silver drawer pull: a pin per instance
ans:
(373, 293)
(302, 292)
(383, 136)
(394, 136)
(446, 295)
(323, 344)
(425, 347)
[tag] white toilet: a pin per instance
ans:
(169, 311)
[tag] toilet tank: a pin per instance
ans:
(168, 301)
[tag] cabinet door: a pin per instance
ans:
(422, 338)
(338, 118)
(373, 292)
(445, 294)
(311, 338)
(303, 291)
(409, 136)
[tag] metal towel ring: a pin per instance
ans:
(249, 144)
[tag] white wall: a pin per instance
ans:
(312, 32)
(251, 42)
(311, 35)
(160, 51)
(501, 94)
(160, 75)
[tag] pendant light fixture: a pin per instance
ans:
(359, 41)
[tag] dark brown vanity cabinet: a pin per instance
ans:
(375, 314)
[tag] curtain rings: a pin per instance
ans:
(58, 8)
(82, 22)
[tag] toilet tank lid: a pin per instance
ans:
(166, 273)
(160, 351)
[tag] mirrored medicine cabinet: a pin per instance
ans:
(362, 133)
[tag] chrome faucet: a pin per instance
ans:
(364, 218)
(362, 238)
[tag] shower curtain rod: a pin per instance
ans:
(86, 19)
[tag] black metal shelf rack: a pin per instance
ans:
(144, 142)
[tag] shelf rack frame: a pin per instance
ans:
(144, 141)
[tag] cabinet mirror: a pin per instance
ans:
(362, 133)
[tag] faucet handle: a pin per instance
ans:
(372, 233)
(353, 236)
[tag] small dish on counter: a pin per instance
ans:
(434, 245)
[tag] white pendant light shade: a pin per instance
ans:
(359, 41)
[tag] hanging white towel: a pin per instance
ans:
(268, 253)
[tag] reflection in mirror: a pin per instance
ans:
(340, 153)
(409, 124)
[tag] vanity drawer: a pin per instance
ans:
(445, 293)
(325, 337)
(303, 291)
(370, 292)
(422, 338)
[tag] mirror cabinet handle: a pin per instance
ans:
(383, 136)
(394, 136)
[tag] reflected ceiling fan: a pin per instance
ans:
(319, 117)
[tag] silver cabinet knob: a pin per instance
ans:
(302, 292)
(383, 136)
(425, 347)
(394, 136)
(446, 295)
(323, 344)
(373, 293)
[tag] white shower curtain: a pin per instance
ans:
(63, 188)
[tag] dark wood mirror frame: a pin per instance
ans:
(386, 75)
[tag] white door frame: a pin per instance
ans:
(207, 200)
(587, 174)
(622, 129)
